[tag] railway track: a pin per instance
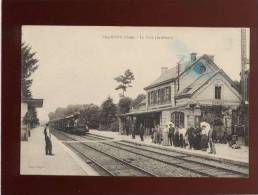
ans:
(99, 136)
(68, 137)
(241, 170)
(168, 163)
(238, 167)
(108, 163)
(184, 161)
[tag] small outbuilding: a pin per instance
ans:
(26, 104)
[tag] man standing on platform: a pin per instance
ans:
(171, 133)
(189, 134)
(48, 147)
(141, 131)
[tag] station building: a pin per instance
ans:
(25, 106)
(187, 94)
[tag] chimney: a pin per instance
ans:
(193, 57)
(163, 70)
(211, 57)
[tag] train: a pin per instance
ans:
(69, 124)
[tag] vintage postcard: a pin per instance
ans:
(135, 101)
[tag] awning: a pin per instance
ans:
(34, 102)
(145, 112)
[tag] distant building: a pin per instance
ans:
(25, 104)
(188, 94)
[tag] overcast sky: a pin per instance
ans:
(78, 64)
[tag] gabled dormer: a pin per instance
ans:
(174, 82)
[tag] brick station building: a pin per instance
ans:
(187, 94)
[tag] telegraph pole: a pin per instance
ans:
(244, 86)
(243, 64)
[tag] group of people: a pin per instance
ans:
(141, 131)
(198, 138)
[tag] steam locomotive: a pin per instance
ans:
(69, 124)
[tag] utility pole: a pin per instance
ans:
(178, 73)
(243, 64)
(244, 87)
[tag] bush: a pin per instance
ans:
(110, 127)
(114, 126)
(124, 105)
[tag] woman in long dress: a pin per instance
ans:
(176, 137)
(204, 135)
(182, 132)
(155, 134)
(159, 134)
(165, 141)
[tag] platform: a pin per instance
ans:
(63, 162)
(223, 151)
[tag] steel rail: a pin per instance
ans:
(95, 162)
(183, 158)
(179, 152)
(121, 161)
(166, 162)
(99, 136)
(173, 164)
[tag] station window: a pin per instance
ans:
(159, 96)
(178, 119)
(218, 92)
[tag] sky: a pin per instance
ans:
(78, 64)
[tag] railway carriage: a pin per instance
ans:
(69, 124)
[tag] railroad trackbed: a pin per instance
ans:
(118, 158)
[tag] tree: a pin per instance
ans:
(51, 116)
(89, 115)
(138, 100)
(31, 117)
(107, 113)
(124, 105)
(124, 81)
(29, 65)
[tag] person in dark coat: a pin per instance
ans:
(211, 143)
(141, 131)
(133, 129)
(48, 147)
(127, 127)
(189, 134)
(182, 132)
(171, 133)
(197, 138)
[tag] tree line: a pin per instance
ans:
(102, 117)
(29, 64)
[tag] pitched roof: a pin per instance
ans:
(167, 76)
(171, 74)
(143, 102)
(197, 84)
(201, 81)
